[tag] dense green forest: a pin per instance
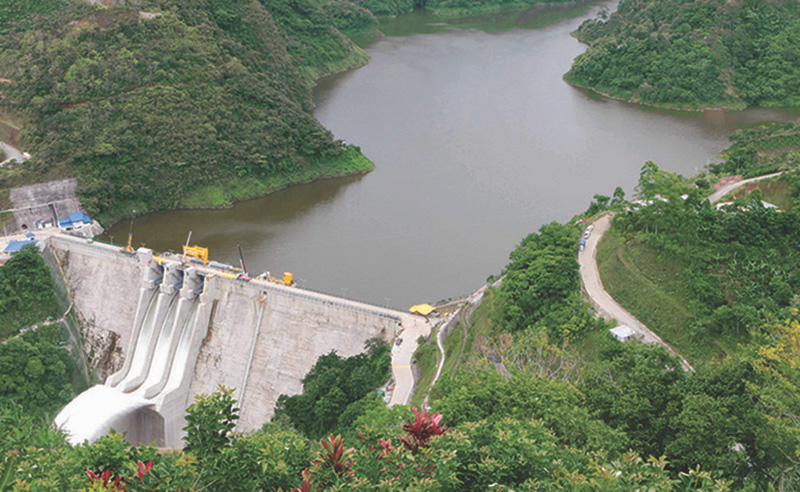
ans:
(542, 285)
(761, 150)
(694, 53)
(337, 391)
(26, 292)
(36, 369)
(186, 104)
(395, 450)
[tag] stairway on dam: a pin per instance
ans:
(180, 330)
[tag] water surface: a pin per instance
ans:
(477, 142)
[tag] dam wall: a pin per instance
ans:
(101, 283)
(263, 339)
(257, 337)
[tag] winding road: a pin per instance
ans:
(717, 195)
(11, 153)
(414, 326)
(605, 304)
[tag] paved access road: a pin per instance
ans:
(414, 326)
(12, 153)
(605, 304)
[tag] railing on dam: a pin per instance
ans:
(109, 250)
(315, 295)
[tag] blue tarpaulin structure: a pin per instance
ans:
(14, 246)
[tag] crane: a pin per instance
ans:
(244, 275)
(129, 248)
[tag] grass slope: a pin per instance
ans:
(650, 287)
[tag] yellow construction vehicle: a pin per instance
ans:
(196, 252)
(288, 279)
(129, 248)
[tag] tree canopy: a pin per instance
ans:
(187, 104)
(336, 391)
(694, 53)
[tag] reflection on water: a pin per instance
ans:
(247, 223)
(477, 142)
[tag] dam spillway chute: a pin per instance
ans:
(147, 396)
(144, 351)
(152, 276)
(171, 334)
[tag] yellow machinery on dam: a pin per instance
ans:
(196, 252)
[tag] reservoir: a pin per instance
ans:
(477, 142)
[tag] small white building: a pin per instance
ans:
(74, 222)
(623, 333)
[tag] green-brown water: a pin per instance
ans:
(477, 142)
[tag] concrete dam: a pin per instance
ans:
(159, 330)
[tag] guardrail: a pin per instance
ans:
(108, 249)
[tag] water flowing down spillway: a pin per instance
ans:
(140, 399)
(96, 411)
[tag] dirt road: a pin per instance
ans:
(12, 153)
(717, 195)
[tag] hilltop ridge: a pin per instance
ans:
(190, 105)
(693, 54)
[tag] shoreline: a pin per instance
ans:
(231, 202)
(358, 58)
(628, 100)
(513, 8)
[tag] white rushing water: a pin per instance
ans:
(96, 411)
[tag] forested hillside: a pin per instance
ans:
(177, 102)
(36, 369)
(694, 53)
